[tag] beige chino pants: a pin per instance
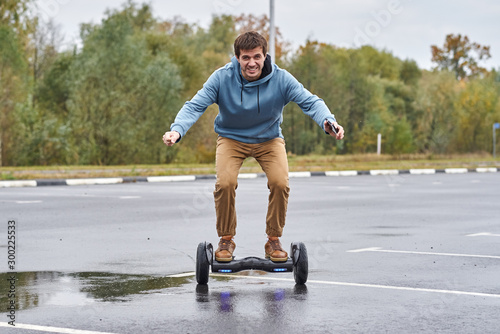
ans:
(271, 155)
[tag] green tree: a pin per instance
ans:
(436, 116)
(410, 73)
(46, 41)
(365, 88)
(13, 90)
(15, 28)
(41, 138)
(300, 131)
(16, 15)
(401, 138)
(478, 107)
(120, 94)
(54, 89)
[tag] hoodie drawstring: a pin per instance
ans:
(258, 97)
(258, 100)
(241, 93)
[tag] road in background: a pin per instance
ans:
(396, 253)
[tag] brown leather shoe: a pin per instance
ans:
(274, 251)
(224, 252)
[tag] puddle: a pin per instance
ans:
(112, 302)
(224, 294)
(35, 289)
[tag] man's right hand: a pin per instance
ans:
(171, 137)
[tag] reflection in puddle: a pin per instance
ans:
(34, 289)
(225, 301)
(234, 307)
(273, 299)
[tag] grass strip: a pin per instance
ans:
(312, 163)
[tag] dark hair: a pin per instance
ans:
(249, 41)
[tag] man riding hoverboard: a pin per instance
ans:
(251, 93)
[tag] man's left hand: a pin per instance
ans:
(329, 130)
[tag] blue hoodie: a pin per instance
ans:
(250, 112)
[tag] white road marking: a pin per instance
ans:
(422, 171)
(384, 172)
(378, 249)
(370, 249)
(171, 178)
(483, 234)
(248, 176)
(20, 183)
(486, 170)
(104, 180)
(299, 174)
(129, 197)
(456, 170)
(28, 202)
(50, 329)
(376, 286)
(363, 285)
(341, 173)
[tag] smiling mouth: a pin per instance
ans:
(252, 70)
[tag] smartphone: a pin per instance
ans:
(336, 130)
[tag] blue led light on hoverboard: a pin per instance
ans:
(279, 269)
(225, 270)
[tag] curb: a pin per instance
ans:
(180, 178)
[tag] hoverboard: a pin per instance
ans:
(296, 263)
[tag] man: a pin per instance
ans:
(251, 94)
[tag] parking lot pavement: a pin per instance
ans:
(387, 254)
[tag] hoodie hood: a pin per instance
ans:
(266, 75)
(267, 72)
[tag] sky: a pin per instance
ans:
(405, 28)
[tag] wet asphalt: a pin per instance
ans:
(387, 254)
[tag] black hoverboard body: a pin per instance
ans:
(296, 263)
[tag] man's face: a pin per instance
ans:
(251, 63)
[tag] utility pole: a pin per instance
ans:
(379, 143)
(495, 126)
(272, 32)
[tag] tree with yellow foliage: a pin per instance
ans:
(460, 56)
